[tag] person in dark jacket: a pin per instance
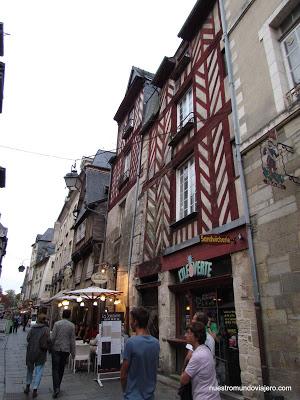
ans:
(38, 342)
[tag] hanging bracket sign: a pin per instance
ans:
(98, 278)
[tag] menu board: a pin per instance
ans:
(109, 341)
(231, 328)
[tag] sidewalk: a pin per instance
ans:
(79, 386)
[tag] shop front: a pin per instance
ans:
(202, 280)
(210, 291)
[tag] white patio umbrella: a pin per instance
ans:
(92, 293)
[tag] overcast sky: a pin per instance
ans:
(67, 68)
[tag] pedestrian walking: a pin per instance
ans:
(139, 368)
(15, 324)
(201, 367)
(24, 321)
(38, 342)
(63, 344)
(209, 342)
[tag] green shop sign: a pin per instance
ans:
(195, 268)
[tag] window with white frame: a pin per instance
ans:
(291, 50)
(186, 189)
(184, 109)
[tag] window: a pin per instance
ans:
(225, 69)
(291, 49)
(128, 127)
(124, 177)
(127, 159)
(78, 272)
(184, 108)
(281, 52)
(234, 157)
(121, 216)
(184, 313)
(186, 189)
(80, 232)
(90, 267)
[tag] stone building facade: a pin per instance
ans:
(42, 249)
(64, 237)
(266, 68)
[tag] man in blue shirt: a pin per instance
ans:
(139, 368)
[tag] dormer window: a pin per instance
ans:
(128, 128)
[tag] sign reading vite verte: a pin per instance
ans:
(195, 268)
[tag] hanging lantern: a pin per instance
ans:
(21, 268)
(102, 298)
(79, 299)
(65, 302)
(95, 303)
(117, 301)
(110, 299)
(59, 305)
(82, 304)
(66, 307)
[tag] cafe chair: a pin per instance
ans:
(82, 354)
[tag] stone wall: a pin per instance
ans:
(276, 222)
(246, 320)
(167, 322)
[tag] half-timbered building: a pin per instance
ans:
(187, 249)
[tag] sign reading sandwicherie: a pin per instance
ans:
(215, 239)
(195, 268)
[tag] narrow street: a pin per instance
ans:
(79, 386)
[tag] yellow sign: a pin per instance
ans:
(215, 239)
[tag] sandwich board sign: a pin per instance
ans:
(109, 346)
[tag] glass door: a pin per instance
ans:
(218, 304)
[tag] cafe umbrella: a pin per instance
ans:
(94, 293)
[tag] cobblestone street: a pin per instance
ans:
(79, 386)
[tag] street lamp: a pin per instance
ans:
(22, 268)
(72, 179)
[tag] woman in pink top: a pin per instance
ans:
(201, 367)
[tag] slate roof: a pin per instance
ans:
(102, 158)
(135, 71)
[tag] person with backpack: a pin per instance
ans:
(38, 342)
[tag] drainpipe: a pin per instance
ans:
(257, 301)
(133, 228)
